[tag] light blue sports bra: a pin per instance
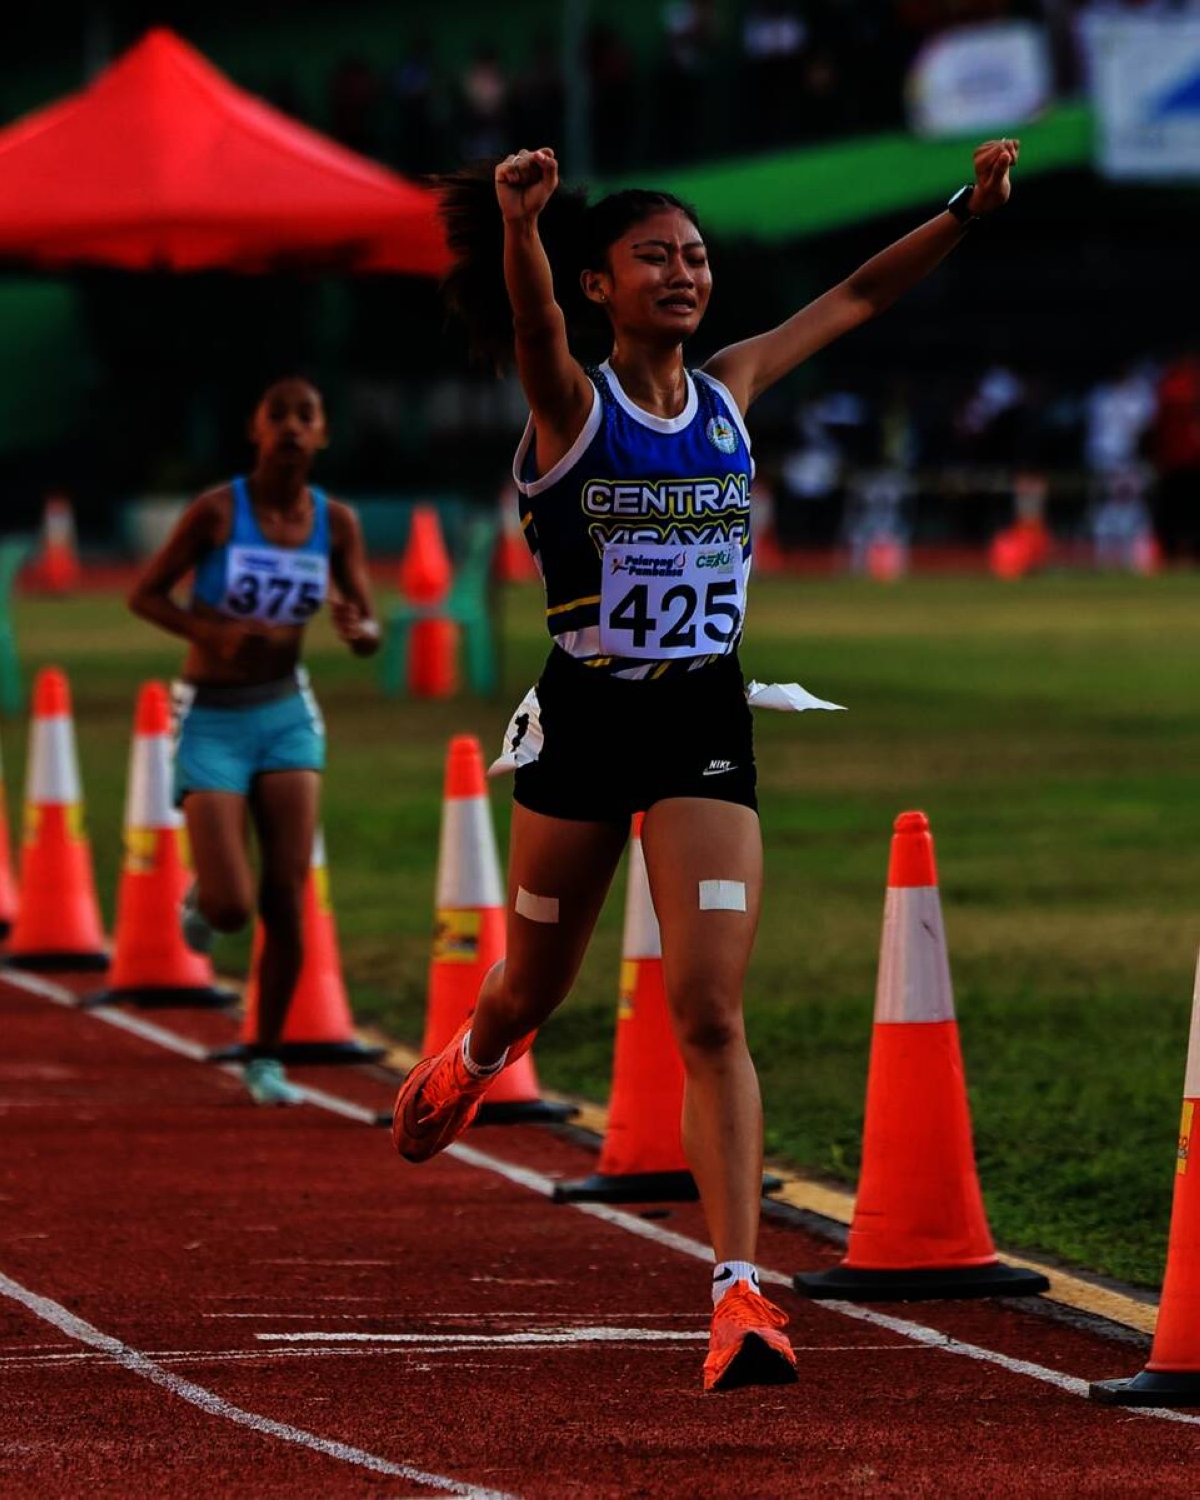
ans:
(249, 578)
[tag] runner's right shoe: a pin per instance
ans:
(439, 1098)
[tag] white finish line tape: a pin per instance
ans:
(216, 1406)
(537, 1182)
(536, 908)
(722, 895)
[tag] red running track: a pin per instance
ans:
(200, 1297)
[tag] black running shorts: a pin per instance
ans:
(613, 746)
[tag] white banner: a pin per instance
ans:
(979, 78)
(1145, 74)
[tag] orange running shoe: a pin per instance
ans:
(439, 1098)
(745, 1346)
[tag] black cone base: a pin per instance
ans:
(303, 1052)
(58, 963)
(165, 997)
(5, 927)
(524, 1112)
(638, 1187)
(1150, 1388)
(845, 1284)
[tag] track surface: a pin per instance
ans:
(298, 1313)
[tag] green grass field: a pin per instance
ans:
(1050, 731)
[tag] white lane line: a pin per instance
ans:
(537, 1182)
(546, 1338)
(216, 1406)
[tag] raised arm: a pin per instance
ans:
(751, 367)
(559, 392)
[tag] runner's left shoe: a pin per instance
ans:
(745, 1346)
(197, 932)
(267, 1083)
(439, 1098)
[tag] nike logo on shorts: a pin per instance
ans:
(718, 768)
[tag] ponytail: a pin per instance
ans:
(576, 237)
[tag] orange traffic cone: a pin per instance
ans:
(1172, 1375)
(642, 1155)
(56, 568)
(919, 1226)
(469, 935)
(514, 562)
(8, 884)
(318, 1028)
(151, 963)
(425, 578)
(58, 925)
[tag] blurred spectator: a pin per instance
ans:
(484, 86)
(354, 105)
(774, 38)
(1119, 519)
(1177, 457)
(684, 104)
(612, 70)
(416, 91)
(1119, 413)
(538, 97)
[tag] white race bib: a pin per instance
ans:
(274, 584)
(659, 601)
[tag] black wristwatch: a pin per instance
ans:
(960, 205)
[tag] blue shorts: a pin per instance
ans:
(226, 736)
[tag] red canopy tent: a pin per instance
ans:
(162, 164)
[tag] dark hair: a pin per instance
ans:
(576, 234)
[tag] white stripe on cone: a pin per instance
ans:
(1191, 1080)
(642, 938)
(468, 862)
(53, 777)
(318, 851)
(148, 802)
(914, 971)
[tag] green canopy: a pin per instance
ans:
(825, 187)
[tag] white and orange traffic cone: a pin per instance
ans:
(151, 963)
(469, 934)
(919, 1227)
(58, 925)
(425, 579)
(8, 883)
(56, 568)
(642, 1154)
(1172, 1374)
(318, 1028)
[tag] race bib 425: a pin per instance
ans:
(663, 601)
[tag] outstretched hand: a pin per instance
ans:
(994, 160)
(525, 182)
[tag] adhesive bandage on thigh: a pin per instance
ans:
(536, 908)
(722, 895)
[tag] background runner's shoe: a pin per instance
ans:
(268, 1084)
(745, 1346)
(439, 1098)
(197, 933)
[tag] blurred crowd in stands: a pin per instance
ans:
(1114, 467)
(724, 78)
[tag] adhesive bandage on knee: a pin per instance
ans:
(536, 908)
(722, 895)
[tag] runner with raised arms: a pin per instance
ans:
(634, 479)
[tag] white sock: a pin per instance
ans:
(477, 1070)
(728, 1273)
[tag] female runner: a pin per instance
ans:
(265, 549)
(635, 483)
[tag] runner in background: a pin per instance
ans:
(635, 483)
(267, 550)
